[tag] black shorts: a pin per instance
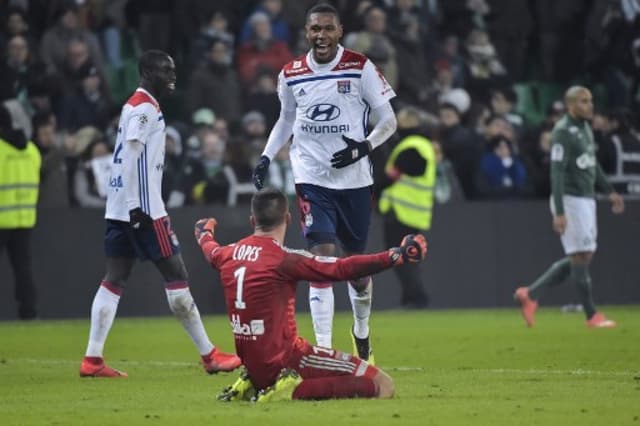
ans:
(146, 243)
(327, 214)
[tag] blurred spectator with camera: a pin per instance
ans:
(89, 181)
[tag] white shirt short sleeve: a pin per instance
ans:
(375, 89)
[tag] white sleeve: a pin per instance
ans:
(141, 121)
(385, 124)
(283, 129)
(375, 89)
(130, 154)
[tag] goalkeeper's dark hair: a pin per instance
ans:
(150, 60)
(269, 208)
(323, 8)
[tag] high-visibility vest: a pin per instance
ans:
(411, 197)
(19, 182)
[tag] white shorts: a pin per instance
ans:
(582, 230)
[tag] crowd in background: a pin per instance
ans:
(463, 70)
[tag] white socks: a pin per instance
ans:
(321, 306)
(361, 304)
(182, 305)
(103, 311)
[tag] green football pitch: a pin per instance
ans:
(453, 367)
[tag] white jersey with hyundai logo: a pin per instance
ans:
(141, 120)
(330, 100)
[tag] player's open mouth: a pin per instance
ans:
(322, 49)
(172, 86)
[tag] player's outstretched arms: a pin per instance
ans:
(301, 265)
(413, 249)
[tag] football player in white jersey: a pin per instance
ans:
(138, 226)
(326, 97)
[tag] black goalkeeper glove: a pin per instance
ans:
(353, 152)
(138, 218)
(413, 249)
(260, 172)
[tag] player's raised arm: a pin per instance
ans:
(280, 133)
(302, 265)
(204, 232)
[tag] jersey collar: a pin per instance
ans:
(146, 92)
(316, 67)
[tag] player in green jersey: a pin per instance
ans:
(575, 177)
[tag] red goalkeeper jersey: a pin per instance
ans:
(259, 278)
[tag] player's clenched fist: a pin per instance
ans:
(413, 248)
(204, 229)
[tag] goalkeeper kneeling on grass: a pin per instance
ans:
(259, 275)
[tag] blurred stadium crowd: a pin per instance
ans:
(482, 79)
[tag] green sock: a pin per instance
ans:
(582, 279)
(556, 274)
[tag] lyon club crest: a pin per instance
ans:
(344, 86)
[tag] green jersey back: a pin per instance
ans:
(574, 167)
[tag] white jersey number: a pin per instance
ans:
(239, 275)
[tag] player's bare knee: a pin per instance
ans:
(386, 387)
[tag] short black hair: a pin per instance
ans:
(150, 59)
(323, 8)
(269, 208)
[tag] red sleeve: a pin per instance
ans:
(209, 248)
(299, 266)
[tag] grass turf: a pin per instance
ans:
(469, 367)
